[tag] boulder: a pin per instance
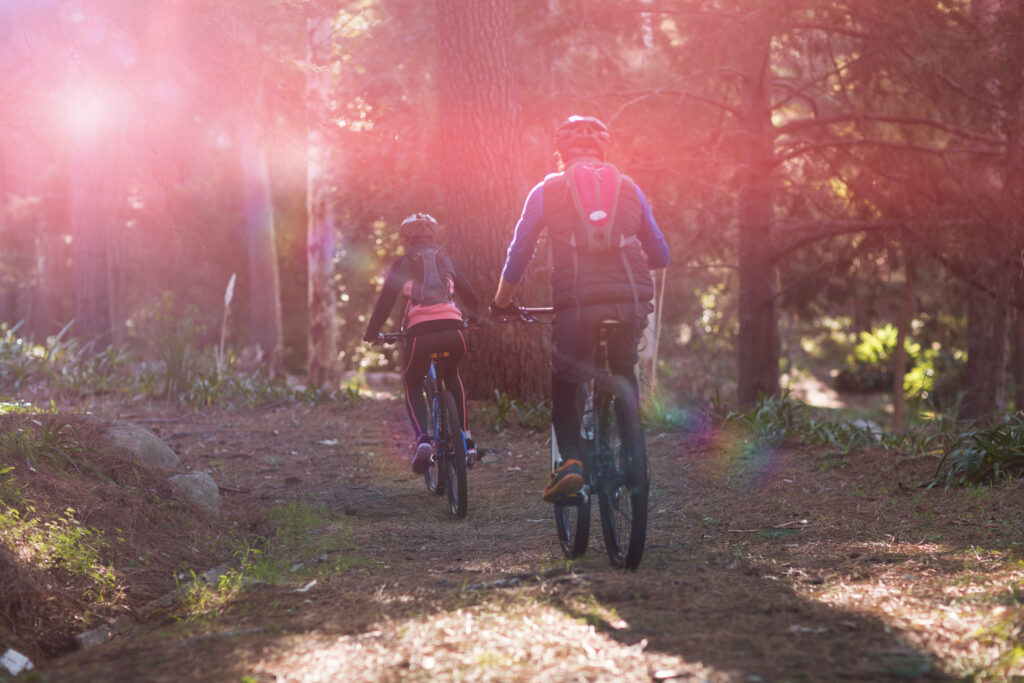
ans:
(200, 489)
(141, 446)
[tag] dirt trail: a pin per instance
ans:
(761, 566)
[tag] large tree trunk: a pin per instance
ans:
(988, 312)
(483, 184)
(986, 354)
(264, 284)
(758, 342)
(323, 339)
(899, 361)
(91, 215)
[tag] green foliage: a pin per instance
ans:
(186, 371)
(43, 440)
(175, 333)
(506, 411)
(303, 535)
(869, 366)
(784, 419)
(61, 543)
(984, 454)
(659, 413)
(933, 375)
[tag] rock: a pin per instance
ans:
(141, 445)
(102, 634)
(200, 489)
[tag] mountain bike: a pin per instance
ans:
(446, 473)
(614, 461)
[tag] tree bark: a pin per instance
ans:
(482, 180)
(264, 283)
(758, 340)
(899, 362)
(90, 213)
(984, 376)
(322, 337)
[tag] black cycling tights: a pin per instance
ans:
(417, 352)
(564, 415)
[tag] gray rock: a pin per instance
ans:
(200, 489)
(102, 634)
(141, 445)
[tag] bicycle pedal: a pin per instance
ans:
(578, 498)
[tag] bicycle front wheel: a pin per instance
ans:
(622, 479)
(432, 477)
(453, 456)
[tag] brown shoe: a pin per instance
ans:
(565, 481)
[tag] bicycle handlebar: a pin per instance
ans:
(395, 337)
(528, 314)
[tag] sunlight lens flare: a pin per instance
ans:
(90, 110)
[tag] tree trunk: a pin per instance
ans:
(986, 354)
(323, 339)
(1018, 360)
(899, 361)
(988, 312)
(89, 188)
(758, 340)
(482, 181)
(264, 285)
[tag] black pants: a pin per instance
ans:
(415, 361)
(574, 344)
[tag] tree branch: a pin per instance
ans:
(790, 128)
(800, 151)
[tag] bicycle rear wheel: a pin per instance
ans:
(453, 455)
(622, 477)
(432, 477)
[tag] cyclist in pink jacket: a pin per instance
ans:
(431, 280)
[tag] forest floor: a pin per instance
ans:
(760, 565)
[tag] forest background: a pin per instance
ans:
(840, 182)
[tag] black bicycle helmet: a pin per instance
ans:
(582, 132)
(418, 225)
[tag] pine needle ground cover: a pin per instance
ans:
(764, 558)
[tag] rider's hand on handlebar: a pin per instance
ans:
(373, 338)
(509, 311)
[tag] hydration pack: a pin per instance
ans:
(432, 277)
(594, 188)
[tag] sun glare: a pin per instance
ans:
(89, 111)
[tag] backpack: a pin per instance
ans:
(431, 276)
(594, 188)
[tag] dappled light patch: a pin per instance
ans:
(507, 639)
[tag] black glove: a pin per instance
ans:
(509, 311)
(371, 338)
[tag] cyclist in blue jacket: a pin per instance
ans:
(604, 244)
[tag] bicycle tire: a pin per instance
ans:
(572, 522)
(622, 478)
(432, 477)
(453, 456)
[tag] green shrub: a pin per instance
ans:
(986, 454)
